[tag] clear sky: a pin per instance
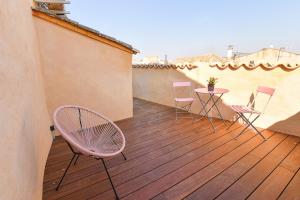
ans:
(193, 27)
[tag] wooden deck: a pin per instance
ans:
(169, 159)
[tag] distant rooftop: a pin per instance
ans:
(266, 58)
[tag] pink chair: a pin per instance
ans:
(241, 110)
(88, 133)
(184, 103)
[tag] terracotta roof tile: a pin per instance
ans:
(265, 66)
(164, 66)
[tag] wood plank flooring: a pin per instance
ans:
(169, 159)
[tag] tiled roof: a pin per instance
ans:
(265, 66)
(164, 66)
(80, 26)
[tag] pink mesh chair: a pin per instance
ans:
(183, 103)
(242, 110)
(88, 133)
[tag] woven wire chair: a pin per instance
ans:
(183, 103)
(90, 134)
(242, 110)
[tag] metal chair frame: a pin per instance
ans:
(77, 154)
(186, 108)
(250, 106)
(211, 107)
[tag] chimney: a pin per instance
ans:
(56, 7)
(230, 53)
(166, 59)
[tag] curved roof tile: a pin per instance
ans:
(164, 66)
(265, 66)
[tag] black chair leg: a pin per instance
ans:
(62, 178)
(76, 160)
(124, 156)
(117, 197)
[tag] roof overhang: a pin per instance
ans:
(83, 30)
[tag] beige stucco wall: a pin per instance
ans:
(282, 114)
(80, 70)
(25, 136)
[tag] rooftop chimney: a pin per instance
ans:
(230, 53)
(166, 59)
(56, 7)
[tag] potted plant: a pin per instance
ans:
(211, 83)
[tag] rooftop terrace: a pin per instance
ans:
(169, 159)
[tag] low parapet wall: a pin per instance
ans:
(282, 113)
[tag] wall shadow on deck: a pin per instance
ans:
(287, 125)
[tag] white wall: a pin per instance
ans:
(25, 136)
(82, 71)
